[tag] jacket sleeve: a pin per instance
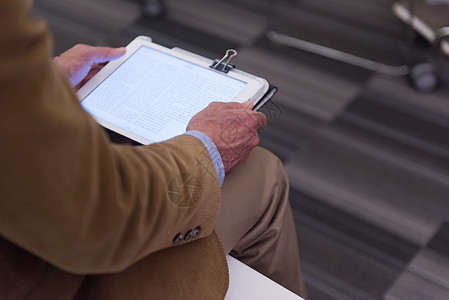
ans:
(67, 194)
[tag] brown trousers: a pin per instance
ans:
(256, 224)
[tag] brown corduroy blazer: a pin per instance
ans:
(81, 217)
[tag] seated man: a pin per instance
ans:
(83, 218)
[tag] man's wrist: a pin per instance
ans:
(213, 152)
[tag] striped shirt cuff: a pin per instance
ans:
(213, 152)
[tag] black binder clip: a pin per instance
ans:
(223, 64)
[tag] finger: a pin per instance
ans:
(263, 122)
(248, 104)
(261, 119)
(234, 105)
(105, 54)
(257, 119)
(93, 71)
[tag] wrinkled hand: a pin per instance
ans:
(233, 129)
(82, 62)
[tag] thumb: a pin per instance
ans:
(105, 54)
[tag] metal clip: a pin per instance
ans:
(223, 65)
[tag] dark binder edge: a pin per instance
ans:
(265, 98)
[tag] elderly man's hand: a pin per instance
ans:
(233, 129)
(82, 62)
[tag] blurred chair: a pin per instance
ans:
(153, 9)
(424, 77)
(430, 18)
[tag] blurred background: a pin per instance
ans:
(367, 153)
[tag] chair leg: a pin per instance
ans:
(361, 62)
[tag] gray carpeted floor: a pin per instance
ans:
(367, 156)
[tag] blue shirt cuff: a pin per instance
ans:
(213, 152)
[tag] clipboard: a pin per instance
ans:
(151, 93)
(224, 65)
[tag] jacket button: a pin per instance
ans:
(178, 238)
(188, 235)
(196, 232)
